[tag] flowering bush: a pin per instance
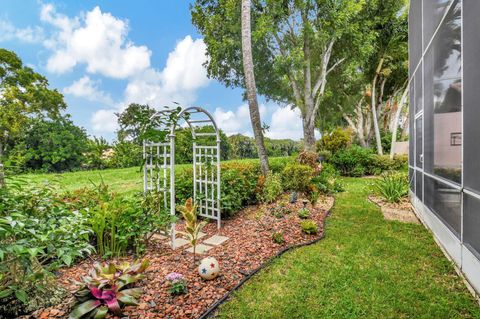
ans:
(178, 284)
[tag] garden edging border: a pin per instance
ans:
(210, 311)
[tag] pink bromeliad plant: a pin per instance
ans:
(107, 289)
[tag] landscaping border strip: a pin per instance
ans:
(210, 311)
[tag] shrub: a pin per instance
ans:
(324, 155)
(304, 213)
(238, 185)
(107, 289)
(392, 186)
(126, 154)
(352, 161)
(278, 238)
(38, 234)
(335, 141)
(308, 158)
(297, 177)
(178, 284)
(327, 181)
(309, 227)
(277, 165)
(383, 163)
(272, 188)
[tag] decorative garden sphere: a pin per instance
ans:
(209, 268)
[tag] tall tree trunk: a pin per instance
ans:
(308, 134)
(397, 118)
(251, 87)
(374, 109)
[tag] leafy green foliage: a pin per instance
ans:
(336, 140)
(95, 155)
(271, 188)
(107, 289)
(392, 186)
(38, 234)
(278, 238)
(327, 181)
(25, 95)
(309, 227)
(126, 154)
(353, 161)
(51, 146)
(383, 163)
(297, 177)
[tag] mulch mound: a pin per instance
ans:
(249, 246)
(401, 211)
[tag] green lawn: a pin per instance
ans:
(120, 180)
(365, 267)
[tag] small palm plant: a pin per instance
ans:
(193, 227)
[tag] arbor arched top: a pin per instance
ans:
(194, 116)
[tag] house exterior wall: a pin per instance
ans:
(444, 144)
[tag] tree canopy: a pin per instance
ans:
(24, 94)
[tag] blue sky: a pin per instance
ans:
(103, 55)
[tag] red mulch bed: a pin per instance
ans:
(249, 246)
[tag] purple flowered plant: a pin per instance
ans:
(178, 284)
(174, 276)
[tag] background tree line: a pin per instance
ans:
(37, 135)
(340, 62)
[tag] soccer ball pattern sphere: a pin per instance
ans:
(209, 268)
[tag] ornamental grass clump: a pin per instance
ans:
(107, 289)
(392, 187)
(192, 226)
(178, 284)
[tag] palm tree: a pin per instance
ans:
(251, 87)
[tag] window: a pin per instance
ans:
(444, 201)
(443, 101)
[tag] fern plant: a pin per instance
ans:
(193, 226)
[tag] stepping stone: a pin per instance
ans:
(159, 237)
(201, 248)
(179, 242)
(200, 235)
(215, 240)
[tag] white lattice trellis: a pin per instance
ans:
(159, 165)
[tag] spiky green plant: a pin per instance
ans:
(193, 227)
(392, 187)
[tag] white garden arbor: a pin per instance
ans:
(159, 165)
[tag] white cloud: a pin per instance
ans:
(95, 39)
(283, 122)
(29, 35)
(237, 121)
(182, 76)
(88, 89)
(104, 121)
(178, 82)
(286, 123)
